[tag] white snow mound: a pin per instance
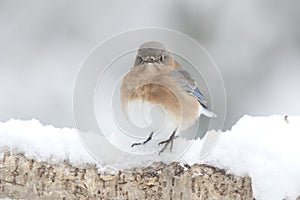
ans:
(265, 148)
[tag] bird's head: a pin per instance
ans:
(153, 52)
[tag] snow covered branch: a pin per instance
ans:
(258, 153)
(21, 177)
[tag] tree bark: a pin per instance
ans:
(24, 178)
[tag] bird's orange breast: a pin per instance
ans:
(152, 85)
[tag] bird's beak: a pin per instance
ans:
(150, 59)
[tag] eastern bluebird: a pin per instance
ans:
(157, 79)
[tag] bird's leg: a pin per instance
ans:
(140, 143)
(167, 142)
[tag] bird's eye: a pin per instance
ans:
(162, 58)
(140, 59)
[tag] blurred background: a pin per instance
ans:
(255, 44)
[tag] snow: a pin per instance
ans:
(268, 150)
(265, 148)
(44, 143)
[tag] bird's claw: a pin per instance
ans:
(167, 142)
(142, 143)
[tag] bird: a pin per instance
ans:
(156, 78)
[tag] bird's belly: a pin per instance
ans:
(144, 114)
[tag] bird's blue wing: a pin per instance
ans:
(184, 79)
(200, 97)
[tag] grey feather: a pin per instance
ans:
(184, 79)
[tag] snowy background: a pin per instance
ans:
(256, 45)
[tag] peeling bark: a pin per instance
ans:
(21, 177)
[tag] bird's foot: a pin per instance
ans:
(142, 143)
(167, 142)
